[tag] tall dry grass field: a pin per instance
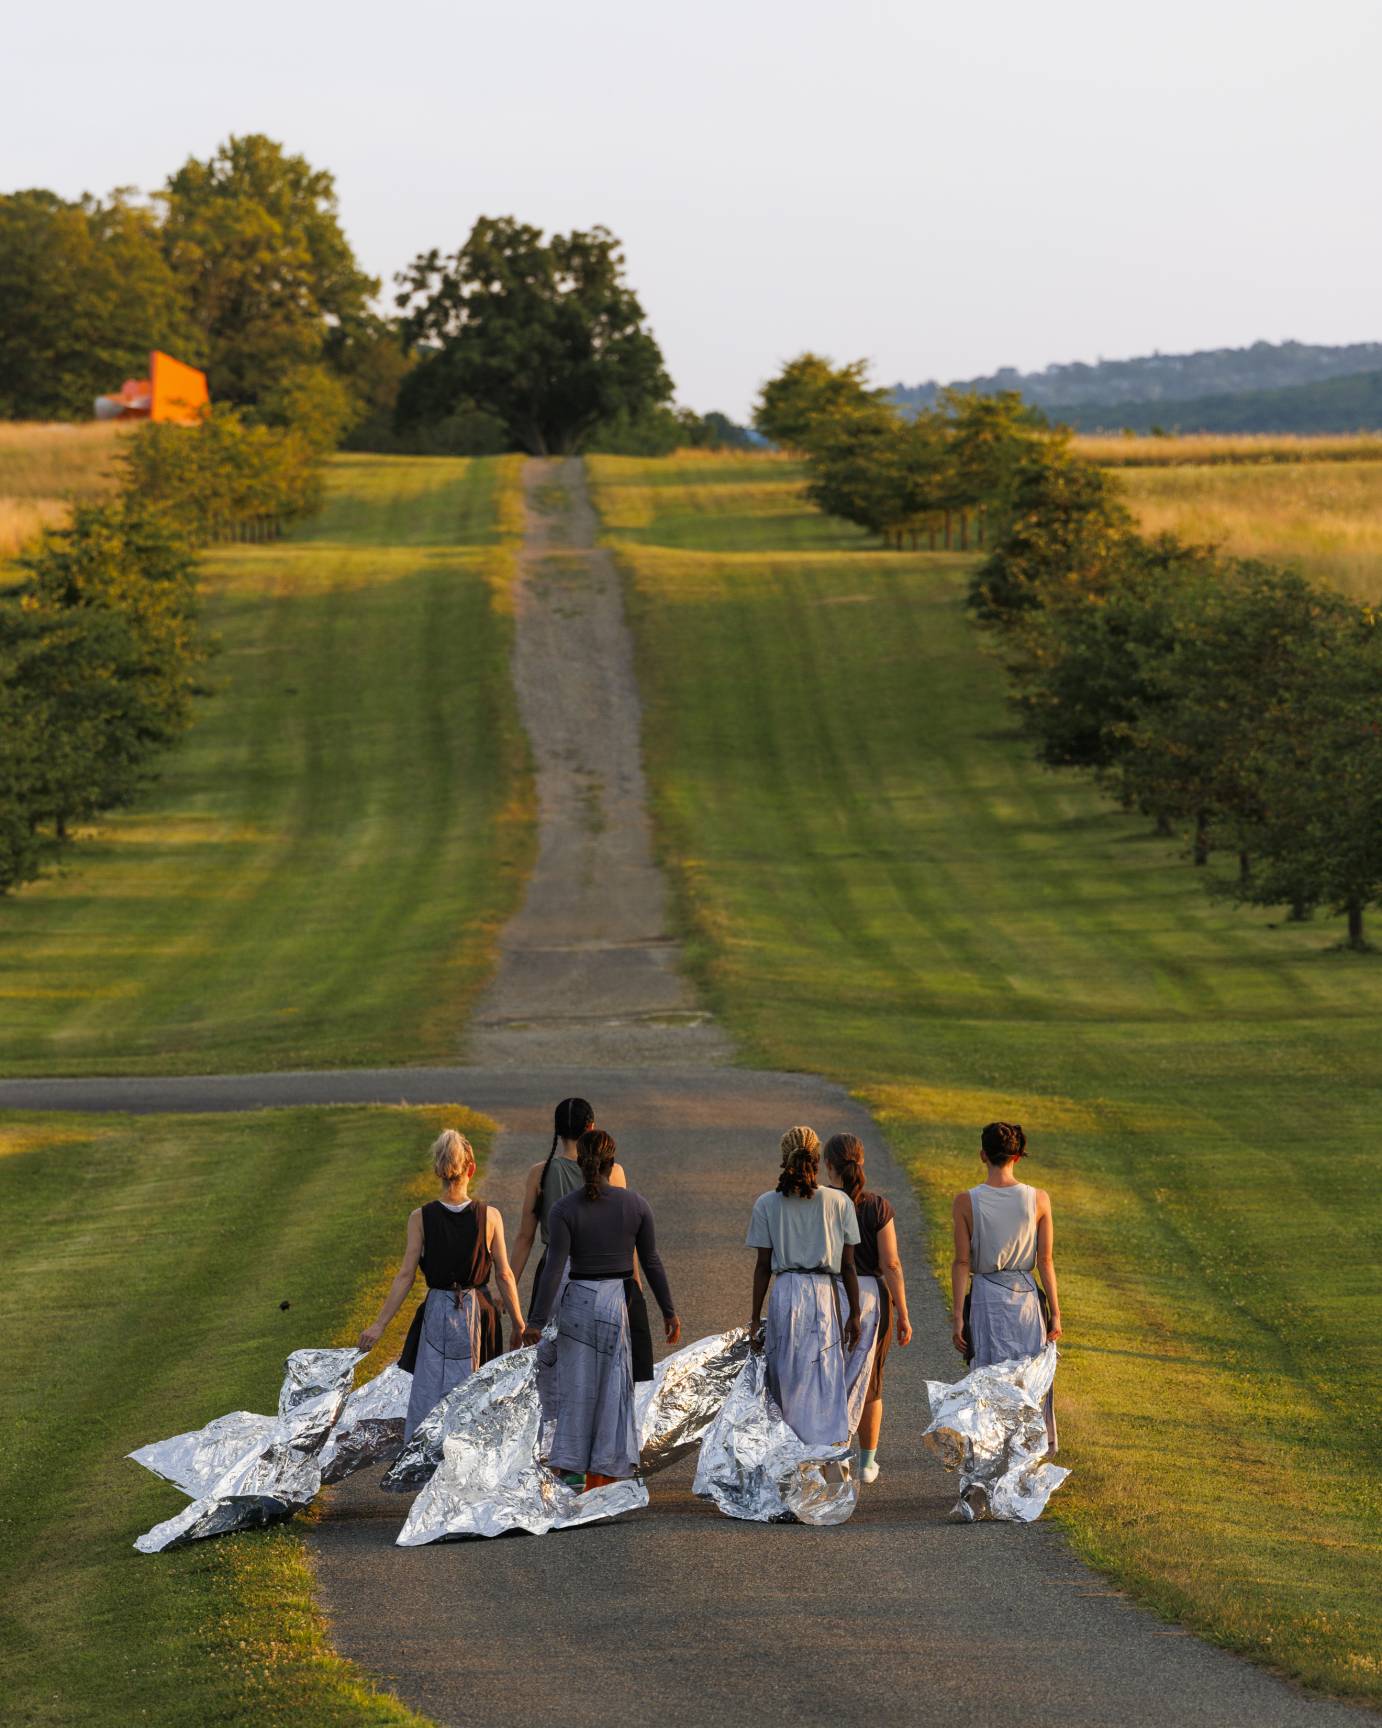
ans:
(1324, 516)
(1206, 448)
(46, 468)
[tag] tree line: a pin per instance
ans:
(1233, 701)
(100, 654)
(239, 264)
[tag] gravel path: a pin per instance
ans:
(676, 1615)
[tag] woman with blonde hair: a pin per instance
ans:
(586, 1373)
(882, 1295)
(458, 1242)
(805, 1237)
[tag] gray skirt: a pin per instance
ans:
(804, 1353)
(1006, 1324)
(585, 1382)
(859, 1368)
(448, 1351)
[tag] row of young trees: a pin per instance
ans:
(100, 655)
(239, 264)
(1233, 701)
(937, 474)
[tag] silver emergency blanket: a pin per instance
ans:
(489, 1478)
(673, 1409)
(753, 1465)
(991, 1428)
(245, 1470)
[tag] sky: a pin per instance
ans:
(940, 187)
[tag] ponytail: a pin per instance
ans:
(573, 1117)
(844, 1153)
(801, 1162)
(595, 1152)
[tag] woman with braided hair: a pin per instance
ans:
(1004, 1234)
(552, 1179)
(805, 1237)
(586, 1373)
(882, 1295)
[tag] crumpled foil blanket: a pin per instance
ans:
(991, 1427)
(489, 1480)
(753, 1465)
(244, 1470)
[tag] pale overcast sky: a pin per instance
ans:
(941, 187)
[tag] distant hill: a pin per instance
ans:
(1352, 404)
(1069, 391)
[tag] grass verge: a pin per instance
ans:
(143, 1262)
(316, 878)
(879, 885)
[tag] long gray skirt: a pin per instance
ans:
(804, 1351)
(585, 1382)
(448, 1352)
(1005, 1325)
(859, 1368)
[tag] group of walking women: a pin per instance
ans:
(827, 1267)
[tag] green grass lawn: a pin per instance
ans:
(878, 884)
(143, 1264)
(317, 876)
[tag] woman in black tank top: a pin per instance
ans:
(459, 1243)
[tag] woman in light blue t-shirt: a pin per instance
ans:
(805, 1238)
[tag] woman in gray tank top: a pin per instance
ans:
(1004, 1241)
(553, 1178)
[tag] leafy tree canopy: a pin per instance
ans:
(254, 235)
(546, 334)
(809, 393)
(85, 292)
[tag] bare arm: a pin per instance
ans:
(617, 1179)
(762, 1277)
(1046, 1260)
(558, 1253)
(963, 1214)
(402, 1284)
(507, 1282)
(527, 1224)
(890, 1265)
(851, 1283)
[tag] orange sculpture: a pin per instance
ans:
(171, 392)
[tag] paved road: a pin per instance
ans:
(676, 1615)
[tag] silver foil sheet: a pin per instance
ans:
(753, 1465)
(244, 1470)
(990, 1427)
(489, 1478)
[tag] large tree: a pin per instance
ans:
(254, 235)
(544, 333)
(85, 293)
(811, 394)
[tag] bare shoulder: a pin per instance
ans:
(1043, 1200)
(962, 1204)
(617, 1176)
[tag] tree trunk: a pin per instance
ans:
(947, 530)
(964, 530)
(979, 528)
(1244, 867)
(1163, 823)
(931, 529)
(1201, 837)
(1355, 926)
(1300, 912)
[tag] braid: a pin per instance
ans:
(595, 1152)
(844, 1153)
(801, 1160)
(573, 1117)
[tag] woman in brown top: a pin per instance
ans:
(458, 1242)
(882, 1293)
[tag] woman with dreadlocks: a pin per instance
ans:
(1004, 1233)
(552, 1179)
(882, 1295)
(587, 1377)
(458, 1242)
(805, 1237)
